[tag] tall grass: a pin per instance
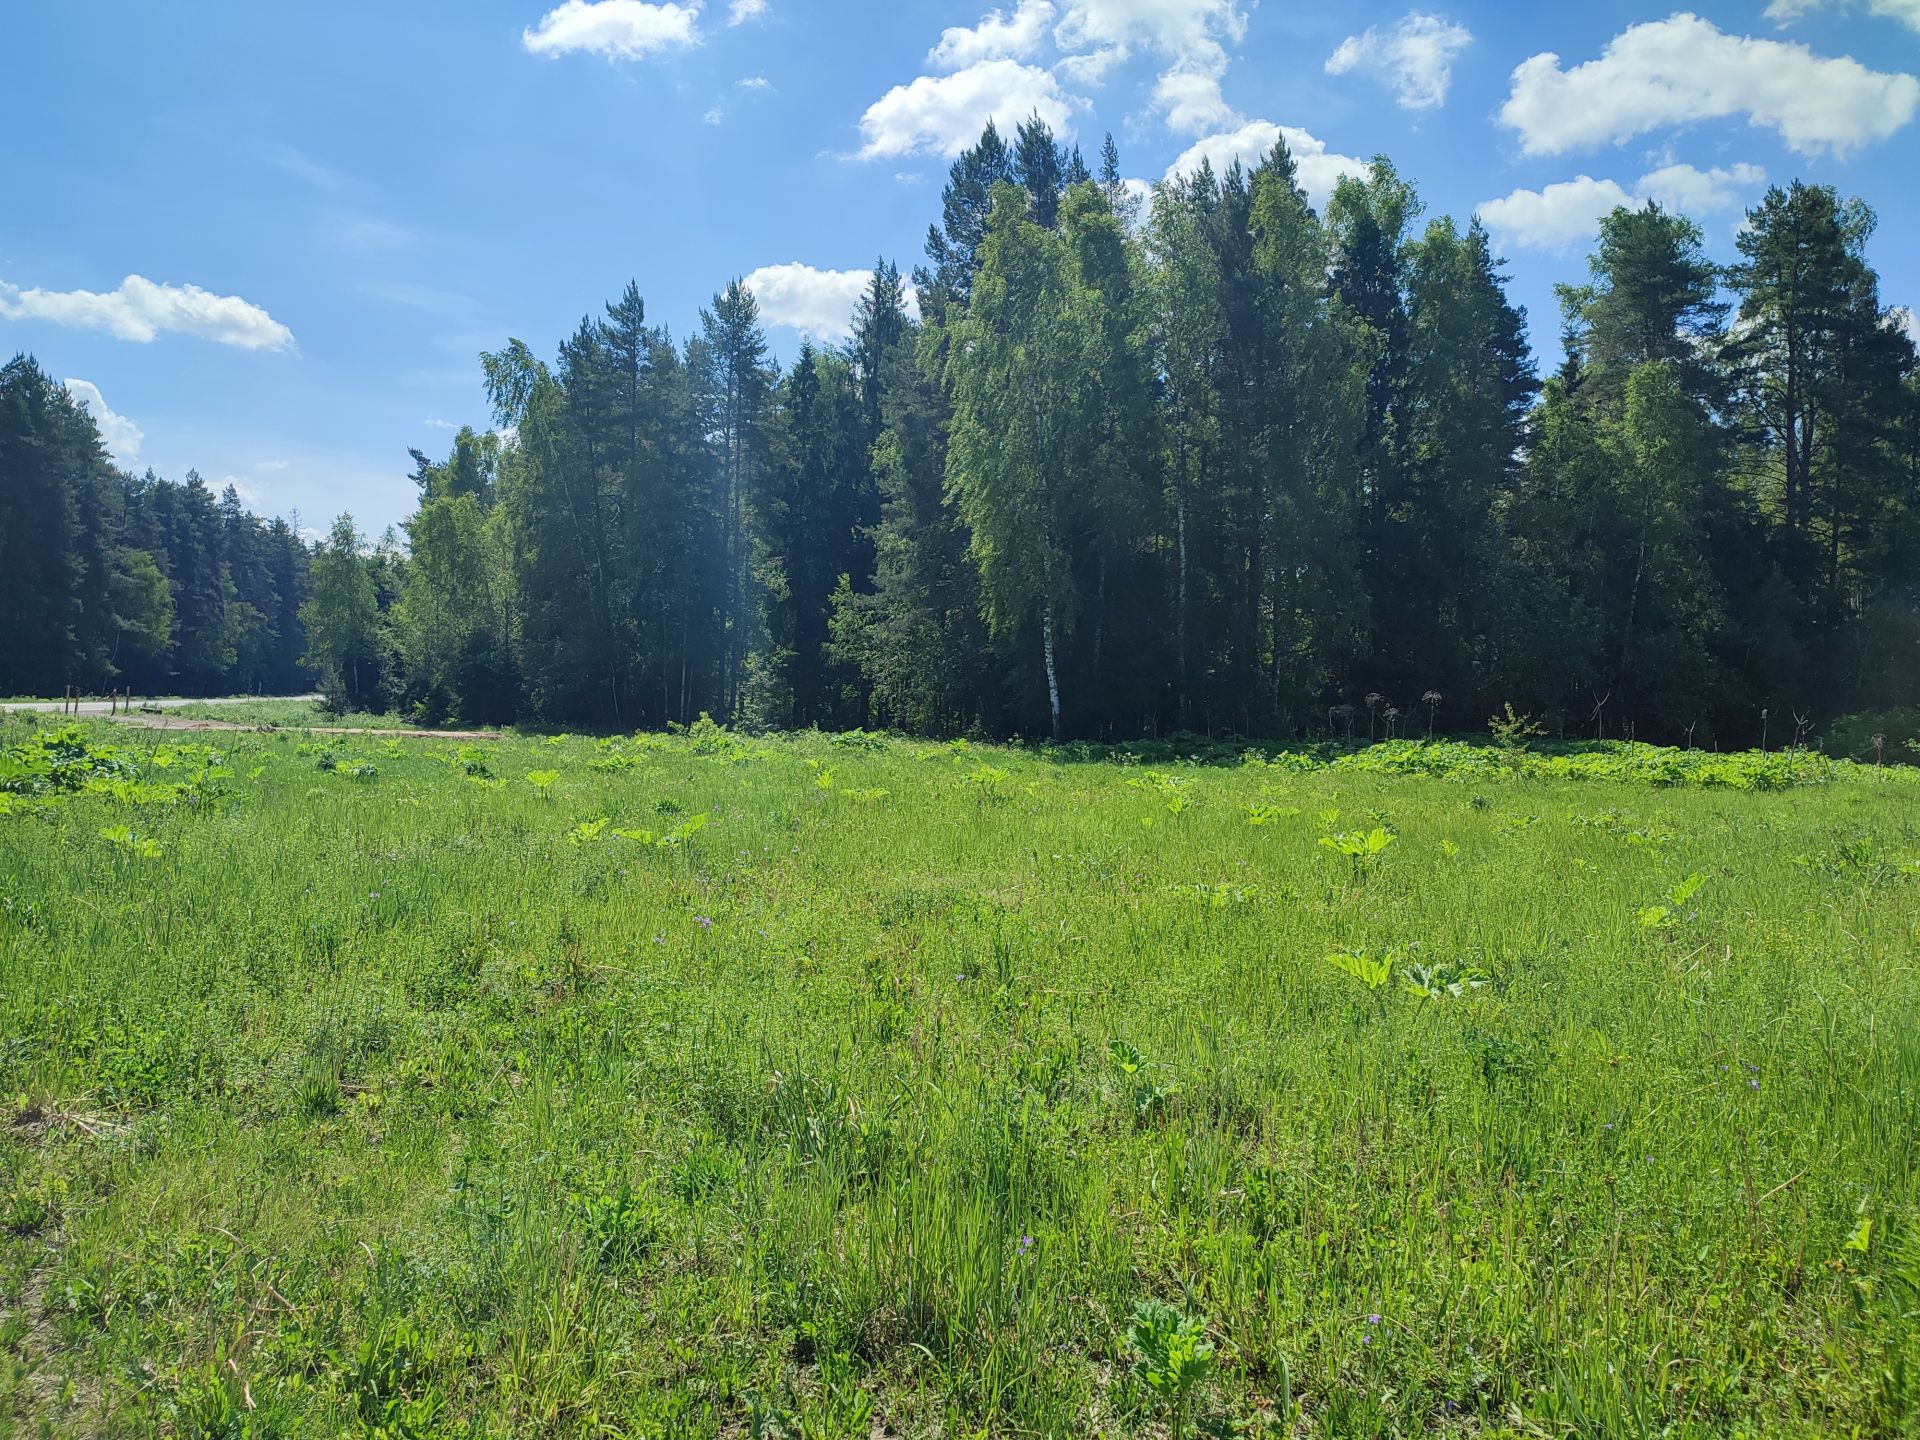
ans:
(362, 1086)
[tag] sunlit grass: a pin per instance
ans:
(708, 1086)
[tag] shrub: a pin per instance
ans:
(1851, 737)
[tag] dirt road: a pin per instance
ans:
(145, 715)
(104, 707)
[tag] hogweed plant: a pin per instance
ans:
(987, 781)
(1258, 814)
(1372, 971)
(131, 842)
(1442, 980)
(1362, 849)
(1673, 911)
(1147, 1094)
(1176, 792)
(1172, 1358)
(669, 840)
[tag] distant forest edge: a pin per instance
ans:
(1212, 462)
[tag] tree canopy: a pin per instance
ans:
(1219, 462)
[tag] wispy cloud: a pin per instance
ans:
(1414, 58)
(250, 494)
(361, 234)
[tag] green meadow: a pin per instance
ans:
(848, 1086)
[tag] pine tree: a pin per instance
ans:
(737, 402)
(1652, 297)
(1310, 610)
(1818, 371)
(1040, 169)
(879, 325)
(1466, 387)
(38, 570)
(1121, 199)
(953, 245)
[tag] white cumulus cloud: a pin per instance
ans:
(1566, 213)
(140, 309)
(1698, 192)
(1414, 57)
(942, 115)
(817, 303)
(1319, 168)
(1191, 102)
(120, 435)
(1182, 30)
(1682, 69)
(617, 29)
(1193, 36)
(1556, 216)
(1018, 36)
(741, 11)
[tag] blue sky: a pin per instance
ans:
(269, 240)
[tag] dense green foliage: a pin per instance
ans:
(705, 1085)
(1229, 466)
(1218, 464)
(107, 580)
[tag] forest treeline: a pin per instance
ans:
(108, 580)
(1212, 462)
